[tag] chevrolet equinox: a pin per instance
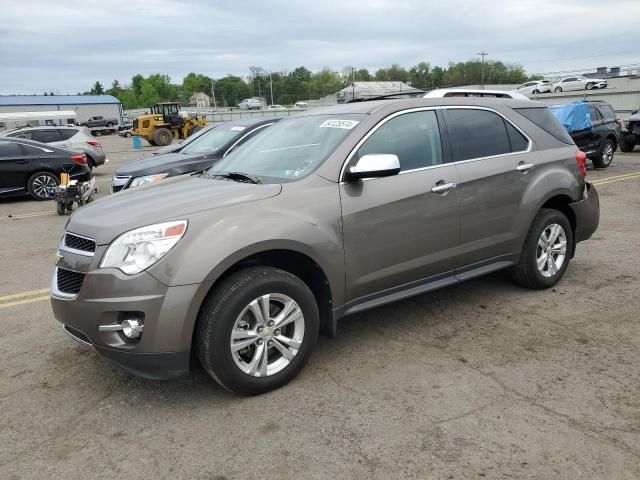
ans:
(325, 214)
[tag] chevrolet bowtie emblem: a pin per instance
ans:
(59, 257)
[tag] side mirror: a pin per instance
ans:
(373, 166)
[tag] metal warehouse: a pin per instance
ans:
(85, 106)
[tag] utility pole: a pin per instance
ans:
(271, 86)
(213, 94)
(353, 83)
(482, 54)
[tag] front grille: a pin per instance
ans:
(79, 243)
(68, 281)
(118, 183)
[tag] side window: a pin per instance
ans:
(607, 112)
(45, 136)
(476, 134)
(67, 133)
(594, 114)
(519, 142)
(413, 137)
(9, 149)
(26, 135)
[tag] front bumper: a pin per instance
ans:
(107, 296)
(587, 213)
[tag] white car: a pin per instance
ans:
(250, 104)
(578, 83)
(535, 87)
(301, 105)
(462, 92)
(276, 107)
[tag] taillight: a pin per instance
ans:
(79, 159)
(581, 160)
(94, 143)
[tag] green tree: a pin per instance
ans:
(231, 90)
(97, 89)
(136, 84)
(195, 82)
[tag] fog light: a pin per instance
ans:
(132, 328)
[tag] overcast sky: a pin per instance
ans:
(66, 45)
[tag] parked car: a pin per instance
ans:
(301, 105)
(535, 87)
(463, 92)
(69, 138)
(324, 215)
(33, 168)
(125, 132)
(195, 156)
(100, 121)
(250, 104)
(179, 145)
(599, 135)
(630, 132)
(276, 107)
(578, 83)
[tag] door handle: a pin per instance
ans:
(524, 167)
(443, 187)
(22, 162)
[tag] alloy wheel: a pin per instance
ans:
(607, 154)
(551, 250)
(267, 335)
(43, 185)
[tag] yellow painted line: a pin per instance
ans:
(22, 302)
(27, 215)
(23, 294)
(604, 181)
(630, 174)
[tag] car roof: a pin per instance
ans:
(44, 127)
(30, 142)
(441, 92)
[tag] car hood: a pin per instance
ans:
(171, 199)
(173, 163)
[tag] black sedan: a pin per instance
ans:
(195, 156)
(34, 168)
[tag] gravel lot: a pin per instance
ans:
(481, 380)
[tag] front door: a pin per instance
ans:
(14, 166)
(396, 230)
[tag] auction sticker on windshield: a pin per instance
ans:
(347, 124)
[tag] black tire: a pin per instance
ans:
(526, 271)
(128, 134)
(151, 142)
(536, 92)
(109, 124)
(218, 316)
(588, 86)
(605, 156)
(194, 129)
(37, 182)
(162, 137)
(60, 208)
(626, 146)
(558, 90)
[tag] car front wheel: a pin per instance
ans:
(257, 329)
(558, 89)
(546, 252)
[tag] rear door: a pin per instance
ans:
(51, 136)
(396, 230)
(14, 166)
(492, 162)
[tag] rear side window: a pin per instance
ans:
(45, 136)
(594, 114)
(547, 121)
(67, 133)
(413, 137)
(476, 134)
(607, 112)
(519, 143)
(26, 135)
(9, 149)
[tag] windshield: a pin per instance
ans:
(213, 140)
(291, 149)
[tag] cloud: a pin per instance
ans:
(68, 45)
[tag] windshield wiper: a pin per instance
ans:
(238, 176)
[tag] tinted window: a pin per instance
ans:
(607, 111)
(8, 149)
(67, 133)
(26, 135)
(594, 114)
(31, 150)
(547, 121)
(45, 136)
(518, 141)
(413, 137)
(476, 133)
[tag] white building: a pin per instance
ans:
(85, 106)
(200, 99)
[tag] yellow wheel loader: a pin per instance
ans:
(164, 123)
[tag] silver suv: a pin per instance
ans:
(326, 214)
(77, 139)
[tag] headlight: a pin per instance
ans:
(147, 179)
(138, 249)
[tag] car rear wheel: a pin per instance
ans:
(257, 329)
(558, 89)
(546, 252)
(606, 155)
(589, 86)
(41, 185)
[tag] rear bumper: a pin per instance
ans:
(587, 213)
(98, 157)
